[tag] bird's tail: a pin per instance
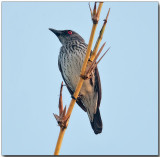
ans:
(97, 122)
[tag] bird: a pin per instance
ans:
(70, 60)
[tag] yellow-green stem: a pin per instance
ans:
(99, 38)
(59, 141)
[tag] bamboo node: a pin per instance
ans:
(62, 120)
(95, 13)
(95, 19)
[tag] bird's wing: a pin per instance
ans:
(98, 86)
(69, 89)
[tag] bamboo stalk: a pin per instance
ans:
(59, 141)
(99, 38)
(99, 9)
(80, 83)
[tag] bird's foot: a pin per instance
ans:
(88, 73)
(72, 96)
(87, 76)
(79, 96)
(84, 77)
(91, 65)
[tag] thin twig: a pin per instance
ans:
(94, 61)
(103, 55)
(90, 9)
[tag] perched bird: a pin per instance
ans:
(70, 61)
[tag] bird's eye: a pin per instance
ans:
(70, 32)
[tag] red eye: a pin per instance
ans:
(69, 32)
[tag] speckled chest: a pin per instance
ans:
(71, 58)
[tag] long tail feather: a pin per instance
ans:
(97, 122)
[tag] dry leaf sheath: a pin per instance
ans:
(61, 119)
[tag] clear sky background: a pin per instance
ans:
(31, 79)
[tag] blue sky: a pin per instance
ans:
(31, 79)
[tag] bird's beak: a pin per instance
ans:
(56, 32)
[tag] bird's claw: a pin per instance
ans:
(87, 76)
(89, 71)
(72, 96)
(84, 77)
(91, 65)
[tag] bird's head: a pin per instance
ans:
(66, 35)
